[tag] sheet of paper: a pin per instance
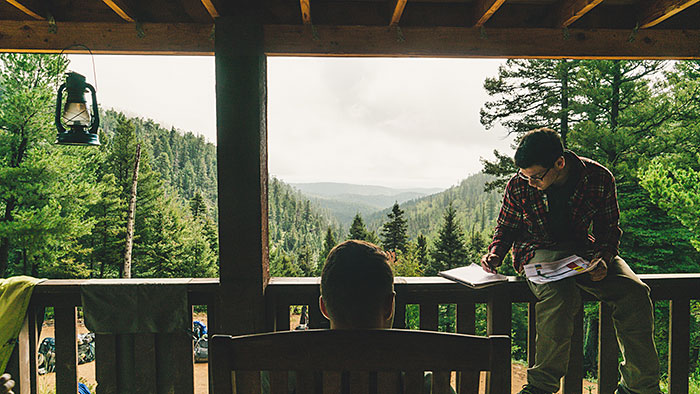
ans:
(473, 275)
(557, 270)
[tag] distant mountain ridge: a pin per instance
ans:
(336, 188)
(345, 200)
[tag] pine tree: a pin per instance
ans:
(393, 232)
(197, 205)
(422, 254)
(358, 230)
(328, 243)
(449, 250)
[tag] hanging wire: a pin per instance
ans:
(92, 57)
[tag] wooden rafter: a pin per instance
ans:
(27, 9)
(297, 40)
(571, 10)
(211, 8)
(397, 11)
(484, 10)
(305, 11)
(121, 9)
(660, 10)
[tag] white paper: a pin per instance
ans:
(473, 275)
(557, 270)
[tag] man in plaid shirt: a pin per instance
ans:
(548, 208)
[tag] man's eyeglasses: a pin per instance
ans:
(536, 178)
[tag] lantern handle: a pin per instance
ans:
(59, 101)
(95, 111)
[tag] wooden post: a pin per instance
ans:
(66, 350)
(608, 350)
(572, 382)
(499, 321)
(241, 121)
(679, 343)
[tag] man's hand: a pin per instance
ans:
(600, 271)
(6, 384)
(490, 261)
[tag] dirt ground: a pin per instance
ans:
(86, 372)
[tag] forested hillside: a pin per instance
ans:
(475, 210)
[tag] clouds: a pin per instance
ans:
(393, 122)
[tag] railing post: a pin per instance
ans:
(679, 343)
(429, 316)
(531, 333)
(498, 321)
(23, 363)
(608, 374)
(66, 350)
(468, 382)
(572, 383)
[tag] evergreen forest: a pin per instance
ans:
(64, 209)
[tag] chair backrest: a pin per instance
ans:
(356, 361)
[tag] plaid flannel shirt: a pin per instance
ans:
(522, 222)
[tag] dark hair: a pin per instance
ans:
(356, 282)
(539, 147)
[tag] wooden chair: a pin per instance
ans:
(357, 361)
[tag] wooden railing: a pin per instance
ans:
(281, 293)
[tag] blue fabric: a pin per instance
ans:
(82, 389)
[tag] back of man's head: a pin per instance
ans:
(539, 147)
(357, 286)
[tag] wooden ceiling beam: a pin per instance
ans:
(212, 8)
(463, 42)
(297, 40)
(30, 9)
(660, 10)
(122, 9)
(397, 11)
(484, 10)
(305, 6)
(571, 10)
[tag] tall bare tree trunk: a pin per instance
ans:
(126, 268)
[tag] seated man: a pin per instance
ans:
(357, 287)
(357, 290)
(6, 384)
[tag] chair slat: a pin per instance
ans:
(413, 382)
(359, 382)
(332, 382)
(145, 378)
(106, 363)
(468, 382)
(388, 382)
(247, 382)
(441, 382)
(305, 382)
(279, 382)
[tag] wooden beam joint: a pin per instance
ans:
(27, 9)
(121, 9)
(660, 10)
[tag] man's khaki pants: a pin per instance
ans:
(632, 314)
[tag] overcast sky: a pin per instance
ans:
(391, 122)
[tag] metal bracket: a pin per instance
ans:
(633, 35)
(482, 33)
(53, 29)
(399, 34)
(565, 32)
(314, 33)
(139, 30)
